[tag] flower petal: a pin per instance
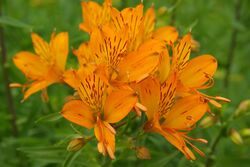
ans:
(91, 89)
(70, 77)
(164, 66)
(149, 92)
(30, 64)
(105, 135)
(167, 94)
(185, 113)
(131, 17)
(168, 34)
(95, 15)
(198, 71)
(146, 28)
(181, 53)
(39, 85)
(139, 64)
(60, 48)
(178, 141)
(149, 21)
(42, 48)
(84, 54)
(118, 105)
(79, 113)
(109, 45)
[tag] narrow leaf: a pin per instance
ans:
(5, 20)
(49, 118)
(70, 158)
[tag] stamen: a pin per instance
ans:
(215, 103)
(195, 148)
(15, 85)
(196, 139)
(222, 99)
(140, 106)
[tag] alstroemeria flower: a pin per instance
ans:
(95, 15)
(47, 65)
(168, 34)
(141, 28)
(98, 107)
(108, 50)
(193, 75)
(169, 116)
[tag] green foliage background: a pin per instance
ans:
(43, 136)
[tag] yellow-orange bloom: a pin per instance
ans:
(169, 116)
(140, 27)
(194, 74)
(173, 102)
(108, 51)
(47, 65)
(95, 15)
(125, 58)
(98, 107)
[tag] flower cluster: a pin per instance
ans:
(126, 66)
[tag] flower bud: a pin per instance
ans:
(162, 10)
(235, 137)
(208, 121)
(243, 107)
(245, 132)
(142, 153)
(76, 144)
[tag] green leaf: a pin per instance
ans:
(45, 155)
(163, 161)
(41, 150)
(67, 139)
(49, 118)
(5, 20)
(70, 158)
(238, 25)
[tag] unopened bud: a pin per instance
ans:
(142, 153)
(235, 137)
(76, 144)
(243, 107)
(162, 10)
(208, 121)
(245, 132)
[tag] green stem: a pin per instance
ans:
(9, 98)
(232, 47)
(210, 160)
(125, 122)
(233, 43)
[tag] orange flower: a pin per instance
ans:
(98, 107)
(141, 28)
(194, 74)
(169, 116)
(46, 66)
(95, 15)
(108, 51)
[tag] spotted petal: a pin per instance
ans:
(79, 113)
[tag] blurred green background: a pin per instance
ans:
(221, 28)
